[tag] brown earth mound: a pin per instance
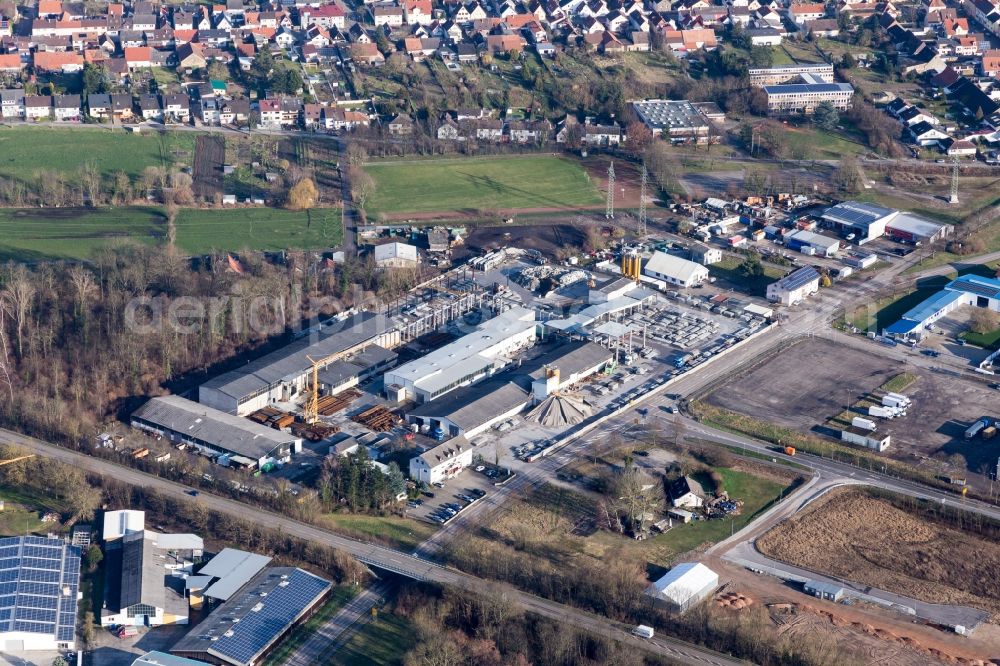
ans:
(855, 536)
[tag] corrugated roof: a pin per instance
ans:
(476, 405)
(291, 361)
(212, 427)
(674, 267)
(233, 568)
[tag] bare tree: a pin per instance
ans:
(90, 180)
(362, 185)
(21, 293)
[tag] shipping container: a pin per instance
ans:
(863, 423)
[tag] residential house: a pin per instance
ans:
(489, 129)
(401, 125)
(12, 103)
(386, 14)
(270, 113)
(529, 132)
(67, 107)
(99, 106)
(150, 108)
(418, 12)
(177, 108)
(37, 107)
(234, 112)
(325, 16)
(121, 106)
(190, 57)
(367, 54)
(603, 135)
(448, 130)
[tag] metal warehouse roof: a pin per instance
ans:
(821, 586)
(855, 213)
(471, 407)
(799, 278)
(233, 568)
(211, 426)
(163, 659)
(916, 225)
(570, 358)
(916, 316)
(291, 360)
(674, 267)
(812, 238)
(466, 356)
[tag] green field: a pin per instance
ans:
(381, 642)
(403, 533)
(36, 234)
(200, 231)
(26, 150)
(471, 185)
(728, 270)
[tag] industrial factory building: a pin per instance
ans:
(285, 373)
(232, 439)
(465, 361)
(865, 221)
(971, 290)
(41, 577)
(675, 270)
(244, 629)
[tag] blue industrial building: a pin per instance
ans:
(974, 290)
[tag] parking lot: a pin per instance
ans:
(443, 501)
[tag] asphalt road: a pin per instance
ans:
(378, 556)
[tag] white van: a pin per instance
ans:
(642, 631)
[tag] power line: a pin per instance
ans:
(609, 210)
(954, 182)
(642, 200)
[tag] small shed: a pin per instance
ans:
(823, 590)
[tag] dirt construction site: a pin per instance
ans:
(853, 535)
(944, 403)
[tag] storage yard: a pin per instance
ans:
(944, 404)
(855, 536)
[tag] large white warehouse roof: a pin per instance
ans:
(684, 581)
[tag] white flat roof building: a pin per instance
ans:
(684, 586)
(469, 359)
(794, 287)
(119, 523)
(674, 270)
(395, 254)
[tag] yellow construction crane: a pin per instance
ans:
(310, 408)
(17, 459)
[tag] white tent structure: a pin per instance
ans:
(684, 586)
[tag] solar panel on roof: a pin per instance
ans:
(261, 626)
(33, 572)
(980, 289)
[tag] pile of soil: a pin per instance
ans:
(855, 536)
